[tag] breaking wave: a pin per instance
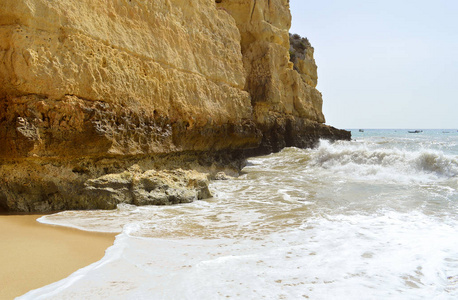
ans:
(383, 163)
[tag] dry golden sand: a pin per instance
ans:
(33, 255)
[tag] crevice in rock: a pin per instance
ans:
(3, 203)
(252, 11)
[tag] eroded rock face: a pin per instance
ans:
(282, 92)
(90, 88)
(148, 188)
(177, 61)
(132, 186)
(301, 55)
(43, 185)
(36, 126)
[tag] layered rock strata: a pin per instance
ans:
(105, 102)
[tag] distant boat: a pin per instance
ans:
(415, 131)
(361, 130)
(445, 131)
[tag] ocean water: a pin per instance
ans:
(374, 218)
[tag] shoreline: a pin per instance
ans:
(33, 254)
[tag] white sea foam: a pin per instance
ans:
(384, 163)
(348, 220)
(390, 255)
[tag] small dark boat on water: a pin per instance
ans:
(361, 130)
(415, 131)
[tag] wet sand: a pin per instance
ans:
(33, 255)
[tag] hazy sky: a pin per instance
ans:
(384, 64)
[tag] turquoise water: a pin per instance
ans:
(374, 218)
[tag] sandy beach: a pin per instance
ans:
(33, 255)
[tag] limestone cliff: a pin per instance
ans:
(91, 89)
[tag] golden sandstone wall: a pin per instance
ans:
(273, 84)
(90, 88)
(139, 67)
(286, 105)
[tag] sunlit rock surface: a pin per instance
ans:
(90, 88)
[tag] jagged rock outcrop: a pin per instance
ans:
(301, 55)
(90, 88)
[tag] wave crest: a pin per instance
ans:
(361, 159)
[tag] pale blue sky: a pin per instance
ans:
(384, 64)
